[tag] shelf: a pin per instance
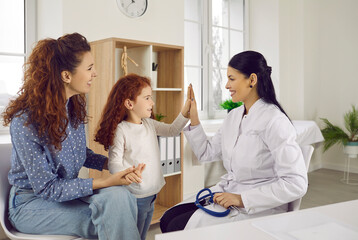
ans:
(168, 89)
(172, 174)
(159, 210)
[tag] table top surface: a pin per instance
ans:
(338, 215)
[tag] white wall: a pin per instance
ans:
(313, 50)
(320, 80)
(95, 19)
(337, 67)
(264, 34)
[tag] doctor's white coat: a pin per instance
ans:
(263, 161)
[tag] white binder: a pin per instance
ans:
(163, 153)
(177, 152)
(170, 155)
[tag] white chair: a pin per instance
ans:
(307, 152)
(5, 153)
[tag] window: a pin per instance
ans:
(17, 21)
(214, 32)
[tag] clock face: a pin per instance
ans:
(133, 8)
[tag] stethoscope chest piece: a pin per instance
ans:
(202, 201)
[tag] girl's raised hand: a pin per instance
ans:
(194, 117)
(186, 108)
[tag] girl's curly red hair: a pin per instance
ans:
(42, 96)
(114, 112)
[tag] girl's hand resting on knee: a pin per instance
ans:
(226, 199)
(119, 178)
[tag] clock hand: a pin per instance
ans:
(130, 4)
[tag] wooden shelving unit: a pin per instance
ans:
(168, 96)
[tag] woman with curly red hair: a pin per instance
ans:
(49, 148)
(130, 135)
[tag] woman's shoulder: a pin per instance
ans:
(19, 127)
(270, 110)
(267, 115)
(19, 120)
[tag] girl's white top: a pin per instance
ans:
(138, 143)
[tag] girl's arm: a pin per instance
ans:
(116, 161)
(174, 129)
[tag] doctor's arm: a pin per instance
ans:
(290, 170)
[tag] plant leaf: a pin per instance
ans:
(229, 104)
(351, 122)
(333, 134)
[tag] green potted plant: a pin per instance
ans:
(159, 116)
(333, 134)
(230, 105)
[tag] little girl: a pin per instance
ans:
(130, 135)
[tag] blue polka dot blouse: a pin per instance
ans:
(51, 175)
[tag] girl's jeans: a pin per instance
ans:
(145, 214)
(110, 213)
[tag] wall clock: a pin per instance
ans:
(132, 8)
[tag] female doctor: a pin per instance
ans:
(257, 143)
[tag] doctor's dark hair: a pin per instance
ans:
(249, 62)
(42, 96)
(114, 112)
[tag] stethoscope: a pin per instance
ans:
(207, 199)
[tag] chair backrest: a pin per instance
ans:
(307, 152)
(5, 164)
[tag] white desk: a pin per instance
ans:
(308, 132)
(344, 213)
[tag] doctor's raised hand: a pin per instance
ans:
(185, 111)
(257, 144)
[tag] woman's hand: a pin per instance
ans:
(119, 178)
(136, 175)
(194, 117)
(226, 199)
(186, 108)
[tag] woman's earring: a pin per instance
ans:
(250, 86)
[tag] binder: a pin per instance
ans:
(163, 153)
(177, 152)
(170, 155)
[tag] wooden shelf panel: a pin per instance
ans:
(172, 174)
(168, 89)
(159, 210)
